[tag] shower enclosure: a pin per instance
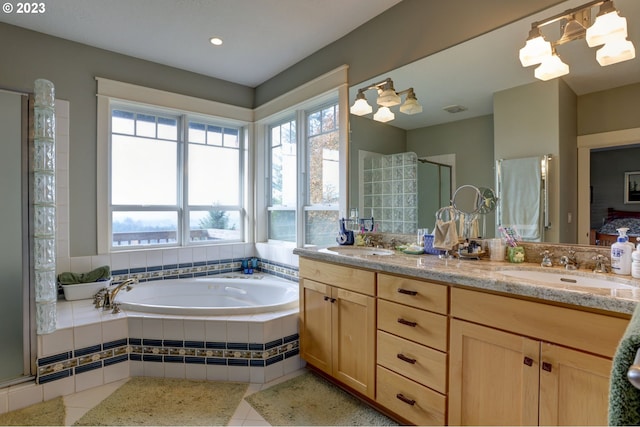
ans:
(17, 335)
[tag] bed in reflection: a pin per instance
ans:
(607, 234)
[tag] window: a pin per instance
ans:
(317, 143)
(323, 184)
(282, 200)
(174, 179)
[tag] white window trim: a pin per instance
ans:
(111, 90)
(312, 94)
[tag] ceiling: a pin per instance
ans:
(261, 37)
(470, 73)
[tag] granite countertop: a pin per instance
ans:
(488, 275)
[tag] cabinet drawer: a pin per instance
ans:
(416, 293)
(350, 278)
(592, 332)
(422, 364)
(412, 401)
(421, 326)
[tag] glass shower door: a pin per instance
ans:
(15, 334)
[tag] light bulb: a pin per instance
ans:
(535, 51)
(607, 27)
(383, 115)
(615, 51)
(551, 68)
(360, 107)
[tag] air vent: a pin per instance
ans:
(454, 108)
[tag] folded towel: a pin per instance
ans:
(445, 235)
(97, 275)
(624, 398)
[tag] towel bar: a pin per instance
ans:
(634, 371)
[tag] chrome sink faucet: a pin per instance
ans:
(601, 263)
(546, 259)
(569, 261)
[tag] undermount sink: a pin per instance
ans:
(357, 250)
(558, 278)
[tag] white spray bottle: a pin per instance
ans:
(621, 254)
(635, 264)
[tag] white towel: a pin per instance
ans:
(445, 235)
(521, 196)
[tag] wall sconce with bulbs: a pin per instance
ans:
(387, 97)
(608, 29)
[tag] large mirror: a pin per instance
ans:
(481, 105)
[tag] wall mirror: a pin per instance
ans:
(456, 89)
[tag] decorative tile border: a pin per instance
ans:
(67, 364)
(202, 268)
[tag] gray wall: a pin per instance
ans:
(369, 135)
(72, 67)
(411, 30)
(609, 110)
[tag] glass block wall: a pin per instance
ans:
(390, 188)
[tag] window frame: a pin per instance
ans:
(111, 91)
(301, 113)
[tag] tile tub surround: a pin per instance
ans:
(92, 347)
(485, 274)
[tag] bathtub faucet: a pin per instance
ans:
(106, 297)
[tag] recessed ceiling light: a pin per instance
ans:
(216, 41)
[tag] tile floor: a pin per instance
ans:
(79, 403)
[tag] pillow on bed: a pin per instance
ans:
(633, 224)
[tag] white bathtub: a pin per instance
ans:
(209, 296)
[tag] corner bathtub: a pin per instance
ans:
(209, 296)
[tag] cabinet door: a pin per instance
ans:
(354, 340)
(493, 377)
(315, 324)
(574, 387)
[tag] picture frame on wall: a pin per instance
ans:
(632, 187)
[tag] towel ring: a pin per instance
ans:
(446, 214)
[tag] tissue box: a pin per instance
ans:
(84, 290)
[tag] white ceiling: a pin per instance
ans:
(470, 73)
(261, 37)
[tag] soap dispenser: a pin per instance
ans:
(621, 254)
(635, 264)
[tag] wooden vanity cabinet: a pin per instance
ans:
(337, 322)
(520, 362)
(412, 348)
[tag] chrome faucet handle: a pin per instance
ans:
(546, 259)
(600, 266)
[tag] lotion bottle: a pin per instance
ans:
(635, 264)
(621, 254)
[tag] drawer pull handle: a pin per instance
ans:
(406, 359)
(528, 361)
(407, 292)
(405, 399)
(546, 366)
(407, 322)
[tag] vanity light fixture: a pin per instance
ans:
(387, 97)
(608, 29)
